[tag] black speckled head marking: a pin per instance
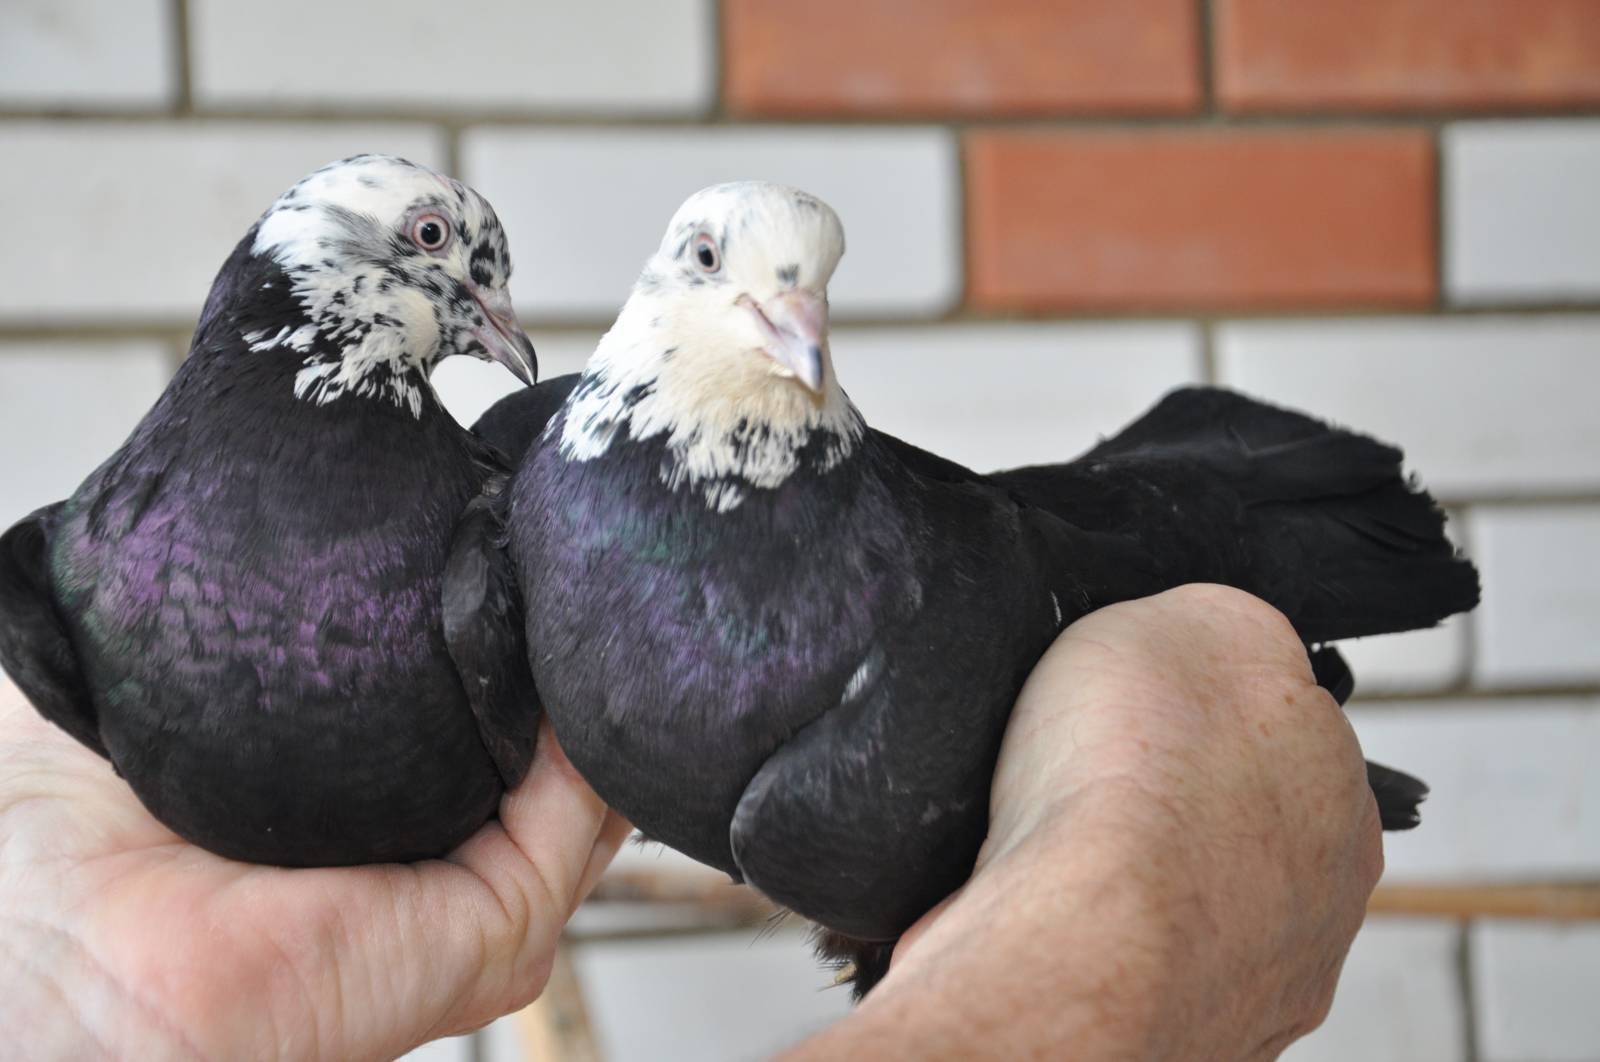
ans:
(393, 266)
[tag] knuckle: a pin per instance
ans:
(1233, 613)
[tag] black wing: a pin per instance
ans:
(511, 424)
(925, 464)
(869, 815)
(873, 812)
(35, 649)
(483, 627)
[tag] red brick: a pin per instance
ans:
(1406, 54)
(961, 57)
(1091, 221)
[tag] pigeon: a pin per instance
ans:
(787, 644)
(249, 607)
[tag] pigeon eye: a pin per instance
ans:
(430, 232)
(705, 252)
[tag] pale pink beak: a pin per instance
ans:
(795, 326)
(504, 340)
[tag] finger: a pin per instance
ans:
(535, 861)
(612, 834)
(556, 821)
(909, 938)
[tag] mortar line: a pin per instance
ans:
(103, 327)
(533, 118)
(1467, 991)
(1206, 41)
(183, 104)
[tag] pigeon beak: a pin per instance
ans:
(503, 339)
(795, 326)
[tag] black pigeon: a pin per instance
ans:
(242, 608)
(787, 644)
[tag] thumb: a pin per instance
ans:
(559, 825)
(553, 838)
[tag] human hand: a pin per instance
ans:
(118, 938)
(1182, 843)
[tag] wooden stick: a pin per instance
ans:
(724, 905)
(556, 1026)
(1560, 902)
(709, 893)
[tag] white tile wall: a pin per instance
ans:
(584, 208)
(1515, 793)
(740, 996)
(1398, 999)
(64, 406)
(1540, 620)
(1521, 217)
(595, 56)
(995, 396)
(1413, 662)
(1536, 986)
(723, 998)
(990, 396)
(468, 386)
(450, 1049)
(132, 220)
(106, 54)
(1481, 405)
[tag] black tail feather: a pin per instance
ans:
(861, 964)
(1399, 795)
(1332, 673)
(1319, 521)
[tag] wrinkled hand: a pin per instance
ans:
(117, 938)
(1182, 843)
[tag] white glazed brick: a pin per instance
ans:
(594, 56)
(1521, 214)
(585, 208)
(1535, 987)
(1540, 620)
(996, 396)
(1399, 999)
(63, 408)
(467, 386)
(1481, 405)
(106, 54)
(134, 219)
(450, 1049)
(716, 998)
(1514, 792)
(1413, 662)
(990, 396)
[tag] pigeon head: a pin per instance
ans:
(723, 345)
(392, 267)
(742, 277)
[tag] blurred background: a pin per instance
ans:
(1383, 211)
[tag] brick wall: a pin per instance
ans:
(1386, 211)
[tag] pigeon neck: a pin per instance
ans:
(317, 325)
